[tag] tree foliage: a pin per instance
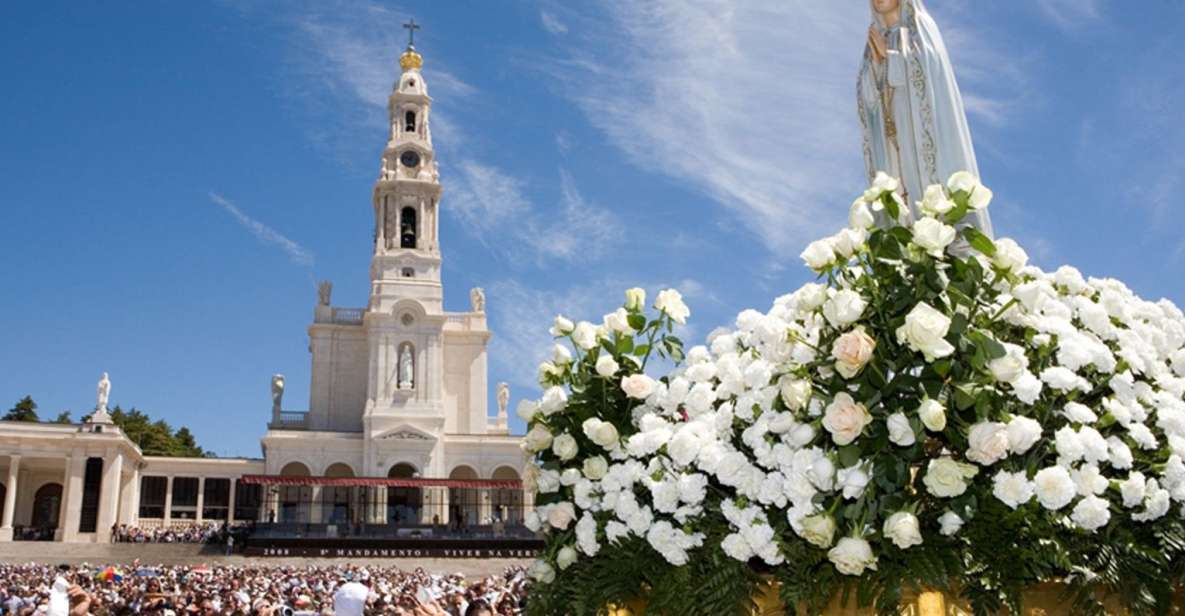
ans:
(24, 410)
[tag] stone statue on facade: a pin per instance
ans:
(324, 292)
(406, 369)
(102, 395)
(277, 392)
(477, 297)
(503, 398)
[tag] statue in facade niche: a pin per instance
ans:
(911, 111)
(477, 297)
(503, 398)
(277, 391)
(406, 369)
(324, 291)
(103, 393)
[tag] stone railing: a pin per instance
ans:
(289, 420)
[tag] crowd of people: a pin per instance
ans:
(204, 532)
(345, 590)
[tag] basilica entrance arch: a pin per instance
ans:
(464, 509)
(47, 503)
(404, 505)
(293, 500)
(507, 504)
(335, 500)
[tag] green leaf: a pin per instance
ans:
(979, 241)
(636, 321)
(849, 456)
(942, 367)
(625, 344)
(641, 350)
(891, 206)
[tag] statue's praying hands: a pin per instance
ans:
(877, 43)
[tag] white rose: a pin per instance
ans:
(951, 523)
(933, 415)
(1009, 255)
(987, 442)
(818, 530)
(537, 439)
(595, 468)
(541, 572)
(881, 184)
(859, 216)
(903, 530)
(965, 181)
(852, 556)
(554, 400)
(795, 392)
(818, 255)
(946, 478)
(1055, 488)
(549, 371)
(935, 202)
(847, 242)
(638, 386)
(1012, 489)
(925, 331)
(900, 431)
(670, 302)
(811, 296)
(933, 236)
(526, 410)
(1023, 433)
(844, 308)
(1091, 513)
(560, 515)
(852, 351)
(1011, 366)
(564, 446)
(585, 335)
(607, 366)
(635, 299)
(561, 327)
(565, 557)
(602, 433)
(618, 321)
(852, 480)
(560, 355)
(845, 419)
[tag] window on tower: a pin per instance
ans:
(409, 121)
(407, 227)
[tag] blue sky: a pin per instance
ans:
(174, 177)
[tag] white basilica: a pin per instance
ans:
(398, 392)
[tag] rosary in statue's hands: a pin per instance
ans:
(877, 43)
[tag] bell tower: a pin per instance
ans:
(406, 261)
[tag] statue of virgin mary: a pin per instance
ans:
(910, 108)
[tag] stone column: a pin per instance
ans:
(68, 516)
(230, 502)
(129, 509)
(9, 504)
(199, 516)
(109, 496)
(168, 519)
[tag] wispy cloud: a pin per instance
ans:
(1071, 14)
(485, 199)
(552, 24)
(266, 235)
(752, 104)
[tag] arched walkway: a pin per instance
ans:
(335, 501)
(507, 504)
(404, 505)
(47, 503)
(464, 504)
(291, 497)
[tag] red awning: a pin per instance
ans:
(417, 482)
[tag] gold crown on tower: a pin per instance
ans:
(411, 59)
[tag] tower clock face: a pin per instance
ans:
(410, 158)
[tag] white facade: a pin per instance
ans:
(398, 386)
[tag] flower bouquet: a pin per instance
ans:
(931, 414)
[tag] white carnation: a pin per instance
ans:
(1012, 489)
(1055, 488)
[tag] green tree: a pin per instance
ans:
(63, 418)
(155, 438)
(24, 410)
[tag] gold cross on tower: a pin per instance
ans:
(411, 26)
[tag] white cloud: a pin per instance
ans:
(1071, 14)
(487, 200)
(266, 235)
(753, 104)
(552, 24)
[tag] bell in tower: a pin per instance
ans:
(407, 228)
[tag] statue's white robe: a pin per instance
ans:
(932, 140)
